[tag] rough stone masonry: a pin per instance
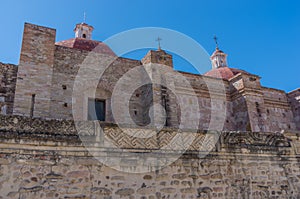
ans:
(51, 162)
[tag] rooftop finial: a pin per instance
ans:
(158, 40)
(216, 40)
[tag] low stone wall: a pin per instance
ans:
(47, 159)
(8, 78)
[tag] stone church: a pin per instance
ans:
(237, 148)
(41, 86)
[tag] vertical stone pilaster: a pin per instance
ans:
(35, 71)
(294, 100)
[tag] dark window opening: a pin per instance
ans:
(96, 109)
(258, 109)
(289, 126)
(135, 112)
(32, 105)
(84, 35)
(165, 105)
(64, 87)
(268, 111)
(65, 104)
(259, 112)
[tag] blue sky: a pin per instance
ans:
(261, 37)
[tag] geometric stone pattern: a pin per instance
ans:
(135, 138)
(58, 166)
(255, 140)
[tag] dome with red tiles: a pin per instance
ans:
(220, 67)
(224, 72)
(86, 44)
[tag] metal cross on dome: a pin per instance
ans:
(216, 40)
(84, 16)
(158, 40)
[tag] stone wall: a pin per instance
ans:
(46, 159)
(238, 107)
(294, 101)
(8, 78)
(66, 68)
(214, 101)
(260, 108)
(278, 110)
(66, 65)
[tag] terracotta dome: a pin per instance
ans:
(224, 72)
(86, 44)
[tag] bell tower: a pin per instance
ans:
(83, 30)
(218, 58)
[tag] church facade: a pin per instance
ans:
(42, 86)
